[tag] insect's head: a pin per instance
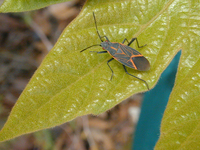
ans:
(105, 44)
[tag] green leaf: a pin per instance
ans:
(69, 84)
(26, 5)
(181, 122)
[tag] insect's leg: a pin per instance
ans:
(137, 43)
(110, 67)
(125, 40)
(129, 43)
(105, 37)
(136, 77)
(132, 40)
(99, 52)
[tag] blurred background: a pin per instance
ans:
(25, 39)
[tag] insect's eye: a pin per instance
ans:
(106, 41)
(103, 48)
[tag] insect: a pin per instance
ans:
(124, 54)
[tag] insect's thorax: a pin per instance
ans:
(112, 48)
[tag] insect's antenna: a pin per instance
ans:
(90, 47)
(96, 27)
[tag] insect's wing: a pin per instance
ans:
(131, 58)
(141, 63)
(128, 50)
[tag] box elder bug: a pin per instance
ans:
(126, 55)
